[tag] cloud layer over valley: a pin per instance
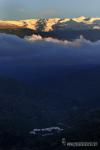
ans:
(35, 56)
(75, 43)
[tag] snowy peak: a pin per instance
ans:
(51, 24)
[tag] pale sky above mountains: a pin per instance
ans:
(23, 9)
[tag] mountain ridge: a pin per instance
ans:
(51, 24)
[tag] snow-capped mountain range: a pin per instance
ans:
(80, 23)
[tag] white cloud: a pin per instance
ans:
(77, 42)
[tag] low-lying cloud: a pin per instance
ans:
(35, 56)
(77, 42)
(49, 49)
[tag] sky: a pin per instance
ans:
(24, 9)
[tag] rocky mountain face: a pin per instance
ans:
(52, 24)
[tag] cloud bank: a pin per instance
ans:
(77, 42)
(37, 47)
(36, 56)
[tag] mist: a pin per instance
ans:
(36, 57)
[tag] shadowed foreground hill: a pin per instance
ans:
(72, 103)
(17, 107)
(49, 102)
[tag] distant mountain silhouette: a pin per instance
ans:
(91, 35)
